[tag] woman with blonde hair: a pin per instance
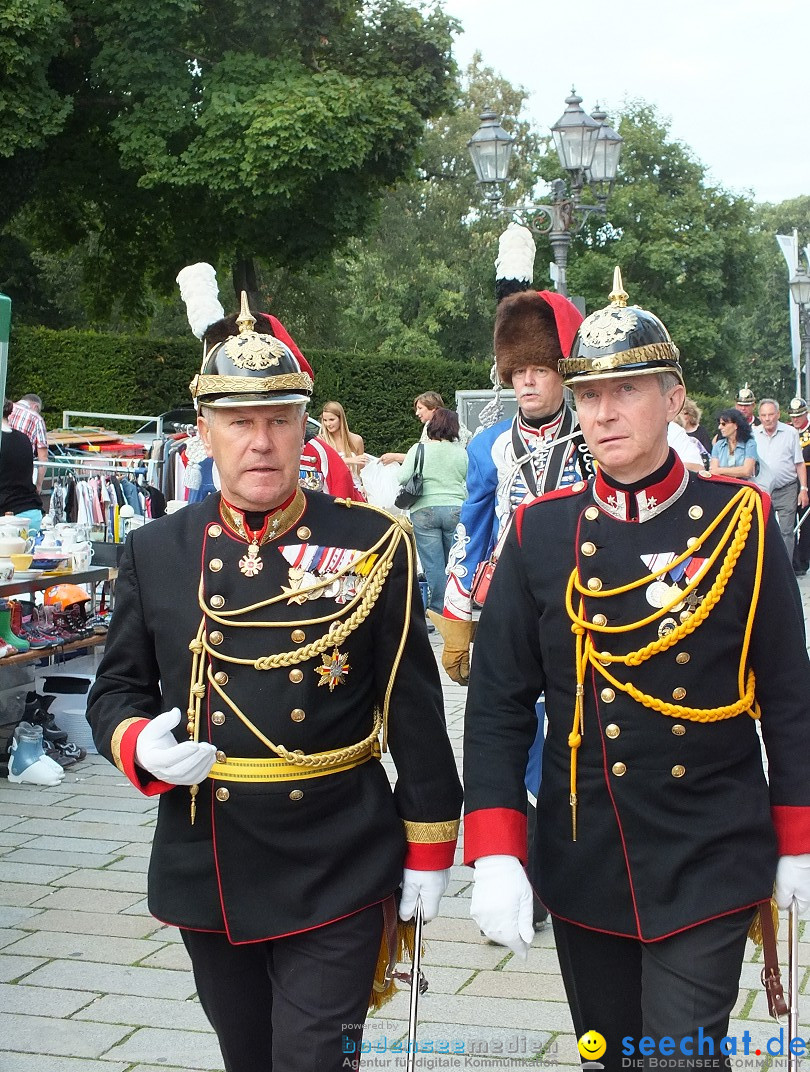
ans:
(349, 445)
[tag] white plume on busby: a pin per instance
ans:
(200, 293)
(514, 265)
(514, 270)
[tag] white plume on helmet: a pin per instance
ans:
(199, 291)
(516, 251)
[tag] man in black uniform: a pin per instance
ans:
(287, 627)
(664, 624)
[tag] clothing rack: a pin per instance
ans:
(82, 464)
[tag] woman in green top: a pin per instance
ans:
(435, 513)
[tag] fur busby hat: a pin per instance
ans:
(531, 327)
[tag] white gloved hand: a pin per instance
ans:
(793, 880)
(429, 885)
(157, 751)
(502, 902)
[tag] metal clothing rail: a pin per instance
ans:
(88, 465)
(68, 413)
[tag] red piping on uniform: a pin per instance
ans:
(661, 937)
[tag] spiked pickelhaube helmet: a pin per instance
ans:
(620, 340)
(250, 369)
(797, 407)
(745, 397)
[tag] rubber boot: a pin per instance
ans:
(7, 634)
(29, 764)
(36, 712)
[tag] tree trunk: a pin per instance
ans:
(244, 278)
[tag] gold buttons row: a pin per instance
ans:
(612, 730)
(620, 769)
(223, 793)
(298, 714)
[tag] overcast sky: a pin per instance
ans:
(732, 77)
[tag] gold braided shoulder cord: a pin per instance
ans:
(367, 598)
(744, 504)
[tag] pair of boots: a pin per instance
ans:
(11, 628)
(28, 764)
(55, 741)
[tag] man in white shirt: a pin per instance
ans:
(782, 472)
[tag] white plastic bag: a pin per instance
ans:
(381, 483)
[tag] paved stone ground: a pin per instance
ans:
(90, 982)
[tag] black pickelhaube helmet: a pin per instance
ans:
(797, 407)
(745, 397)
(620, 340)
(250, 369)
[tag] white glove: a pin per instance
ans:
(158, 752)
(793, 880)
(429, 885)
(502, 902)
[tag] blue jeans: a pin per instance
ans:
(433, 528)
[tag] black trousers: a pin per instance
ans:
(679, 987)
(801, 552)
(294, 1004)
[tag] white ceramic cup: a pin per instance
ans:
(81, 557)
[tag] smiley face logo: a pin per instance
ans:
(591, 1045)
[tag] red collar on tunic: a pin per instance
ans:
(645, 499)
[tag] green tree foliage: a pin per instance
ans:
(178, 130)
(685, 247)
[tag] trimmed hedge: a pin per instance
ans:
(86, 370)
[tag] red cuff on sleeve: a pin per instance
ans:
(792, 826)
(495, 832)
(435, 857)
(141, 779)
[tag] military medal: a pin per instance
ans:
(250, 564)
(334, 670)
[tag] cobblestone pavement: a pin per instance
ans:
(89, 981)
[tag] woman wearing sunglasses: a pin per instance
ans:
(735, 452)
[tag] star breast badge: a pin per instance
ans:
(334, 670)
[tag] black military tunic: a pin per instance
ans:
(675, 821)
(309, 675)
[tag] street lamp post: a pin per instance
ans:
(589, 151)
(800, 292)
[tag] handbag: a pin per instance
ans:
(411, 490)
(484, 571)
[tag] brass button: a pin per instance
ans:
(612, 731)
(303, 533)
(221, 757)
(217, 602)
(221, 677)
(678, 729)
(216, 637)
(682, 657)
(608, 695)
(297, 794)
(695, 512)
(678, 694)
(619, 769)
(592, 513)
(594, 584)
(588, 549)
(298, 636)
(678, 771)
(218, 718)
(599, 619)
(215, 564)
(223, 793)
(298, 714)
(579, 486)
(693, 541)
(296, 676)
(704, 473)
(215, 530)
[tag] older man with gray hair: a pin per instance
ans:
(782, 471)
